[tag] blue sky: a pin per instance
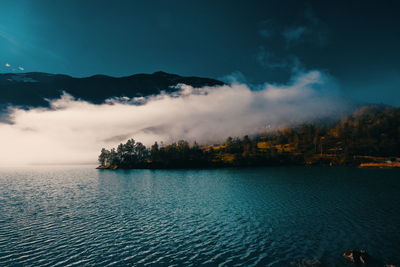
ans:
(356, 42)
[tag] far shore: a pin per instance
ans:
(384, 163)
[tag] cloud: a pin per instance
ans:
(310, 16)
(234, 77)
(289, 63)
(267, 59)
(74, 131)
(267, 29)
(294, 34)
(309, 29)
(278, 53)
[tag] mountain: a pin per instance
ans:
(31, 89)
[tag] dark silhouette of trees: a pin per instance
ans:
(129, 155)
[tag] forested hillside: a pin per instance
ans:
(370, 134)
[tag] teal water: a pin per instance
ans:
(275, 216)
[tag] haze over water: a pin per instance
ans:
(271, 216)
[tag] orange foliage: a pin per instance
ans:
(381, 165)
(264, 145)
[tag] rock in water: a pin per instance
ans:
(362, 258)
(357, 256)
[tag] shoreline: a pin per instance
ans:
(364, 165)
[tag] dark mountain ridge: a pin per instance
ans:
(33, 88)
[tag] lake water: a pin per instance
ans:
(275, 216)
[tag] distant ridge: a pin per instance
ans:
(31, 89)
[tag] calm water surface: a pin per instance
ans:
(65, 216)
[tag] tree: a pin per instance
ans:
(104, 157)
(155, 153)
(247, 146)
(140, 153)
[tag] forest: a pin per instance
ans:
(371, 134)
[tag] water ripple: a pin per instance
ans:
(78, 216)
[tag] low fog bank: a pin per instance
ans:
(73, 131)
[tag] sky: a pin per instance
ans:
(356, 42)
(287, 62)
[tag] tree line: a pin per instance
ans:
(369, 131)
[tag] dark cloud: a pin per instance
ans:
(295, 34)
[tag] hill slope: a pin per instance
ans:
(31, 89)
